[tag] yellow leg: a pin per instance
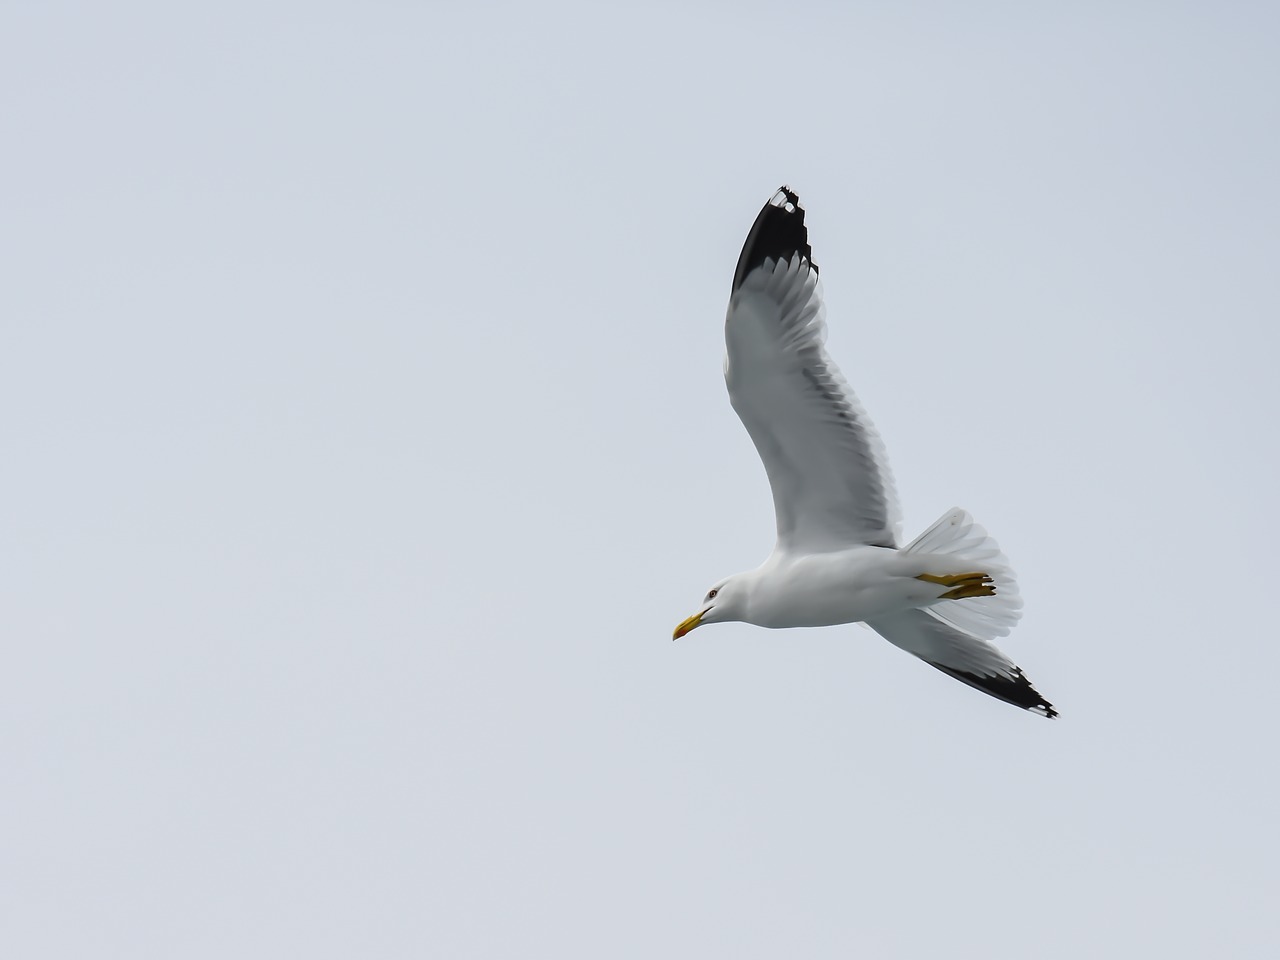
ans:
(964, 585)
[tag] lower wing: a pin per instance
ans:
(963, 656)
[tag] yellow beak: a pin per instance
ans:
(687, 625)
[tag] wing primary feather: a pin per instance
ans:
(778, 234)
(1016, 689)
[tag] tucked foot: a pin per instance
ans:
(963, 585)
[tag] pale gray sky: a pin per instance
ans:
(365, 439)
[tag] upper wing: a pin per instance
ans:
(970, 660)
(831, 482)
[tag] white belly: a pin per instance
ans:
(824, 589)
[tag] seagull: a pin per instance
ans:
(947, 594)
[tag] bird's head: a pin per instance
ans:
(724, 601)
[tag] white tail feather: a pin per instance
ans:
(956, 533)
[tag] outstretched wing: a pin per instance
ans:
(958, 654)
(831, 482)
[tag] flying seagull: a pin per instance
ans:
(947, 594)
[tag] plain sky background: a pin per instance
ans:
(365, 438)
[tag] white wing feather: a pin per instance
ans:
(832, 487)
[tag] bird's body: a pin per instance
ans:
(844, 586)
(837, 559)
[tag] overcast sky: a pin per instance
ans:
(365, 438)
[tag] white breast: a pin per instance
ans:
(818, 590)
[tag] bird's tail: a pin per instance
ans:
(957, 534)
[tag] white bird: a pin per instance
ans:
(943, 597)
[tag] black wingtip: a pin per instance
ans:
(778, 234)
(1016, 689)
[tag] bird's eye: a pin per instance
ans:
(712, 594)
